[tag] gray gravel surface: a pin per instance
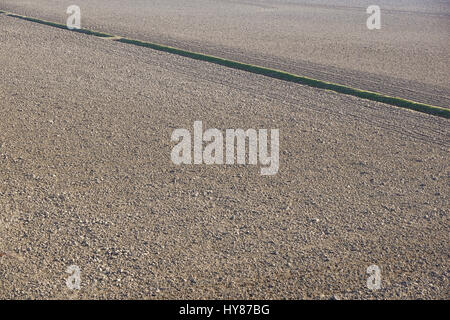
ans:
(86, 179)
(323, 39)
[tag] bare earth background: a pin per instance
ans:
(86, 176)
(327, 40)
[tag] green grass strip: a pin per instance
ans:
(59, 25)
(282, 75)
(273, 73)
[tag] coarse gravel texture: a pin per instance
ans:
(86, 179)
(323, 39)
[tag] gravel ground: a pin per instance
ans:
(408, 57)
(86, 179)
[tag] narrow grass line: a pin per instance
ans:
(272, 73)
(282, 75)
(59, 25)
